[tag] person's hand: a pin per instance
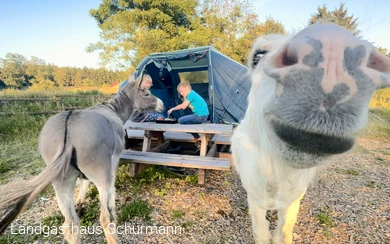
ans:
(169, 111)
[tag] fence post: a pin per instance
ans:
(57, 100)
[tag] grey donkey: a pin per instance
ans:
(81, 143)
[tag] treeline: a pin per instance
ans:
(133, 29)
(16, 71)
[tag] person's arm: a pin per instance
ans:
(180, 106)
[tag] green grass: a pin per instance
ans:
(188, 224)
(177, 214)
(154, 173)
(4, 167)
(160, 193)
(326, 233)
(352, 172)
(192, 179)
(137, 208)
(9, 238)
(56, 219)
(324, 219)
(91, 213)
(371, 184)
(378, 126)
(38, 106)
(326, 222)
(19, 145)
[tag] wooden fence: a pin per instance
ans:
(57, 99)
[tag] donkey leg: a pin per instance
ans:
(83, 192)
(287, 217)
(107, 210)
(260, 225)
(64, 190)
(104, 179)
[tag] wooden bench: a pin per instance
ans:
(179, 137)
(179, 132)
(221, 139)
(176, 160)
(168, 136)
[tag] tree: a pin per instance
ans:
(385, 51)
(60, 76)
(269, 26)
(35, 70)
(13, 72)
(227, 24)
(130, 30)
(338, 16)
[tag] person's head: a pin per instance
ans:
(147, 82)
(184, 88)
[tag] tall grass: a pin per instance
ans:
(378, 126)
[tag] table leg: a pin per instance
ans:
(203, 150)
(135, 168)
(127, 141)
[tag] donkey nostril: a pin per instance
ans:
(287, 57)
(288, 61)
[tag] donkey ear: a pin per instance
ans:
(131, 79)
(137, 82)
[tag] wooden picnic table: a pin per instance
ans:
(206, 130)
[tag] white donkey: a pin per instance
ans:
(83, 143)
(309, 98)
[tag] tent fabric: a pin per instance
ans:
(226, 91)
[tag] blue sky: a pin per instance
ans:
(59, 31)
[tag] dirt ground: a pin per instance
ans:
(348, 202)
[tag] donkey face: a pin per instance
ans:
(143, 98)
(313, 90)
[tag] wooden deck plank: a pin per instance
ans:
(221, 139)
(185, 161)
(192, 128)
(168, 136)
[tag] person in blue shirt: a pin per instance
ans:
(195, 102)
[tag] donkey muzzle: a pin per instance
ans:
(311, 143)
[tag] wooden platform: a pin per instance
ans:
(221, 139)
(207, 158)
(192, 128)
(179, 137)
(185, 161)
(168, 136)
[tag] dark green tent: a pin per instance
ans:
(221, 81)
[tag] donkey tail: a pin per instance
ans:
(22, 193)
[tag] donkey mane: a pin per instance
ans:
(121, 104)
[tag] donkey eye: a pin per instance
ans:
(257, 56)
(147, 94)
